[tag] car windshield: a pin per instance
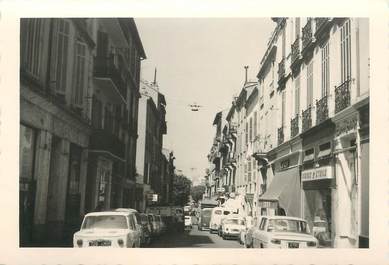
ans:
(287, 225)
(232, 221)
(218, 212)
(105, 222)
(206, 212)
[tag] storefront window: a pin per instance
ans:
(26, 153)
(317, 212)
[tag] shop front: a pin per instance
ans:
(318, 183)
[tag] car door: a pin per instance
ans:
(257, 234)
(136, 231)
(131, 228)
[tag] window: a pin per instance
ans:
(325, 70)
(62, 55)
(297, 95)
(283, 109)
(262, 224)
(255, 124)
(251, 129)
(345, 47)
(26, 153)
(97, 113)
(247, 135)
(297, 28)
(31, 29)
(310, 84)
(80, 73)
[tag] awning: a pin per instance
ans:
(285, 189)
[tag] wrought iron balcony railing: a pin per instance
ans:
(342, 96)
(320, 21)
(321, 110)
(307, 35)
(307, 118)
(281, 70)
(105, 67)
(280, 135)
(294, 126)
(295, 50)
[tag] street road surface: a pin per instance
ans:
(193, 239)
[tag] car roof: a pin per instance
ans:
(282, 217)
(126, 210)
(106, 213)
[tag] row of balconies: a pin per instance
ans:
(342, 101)
(310, 31)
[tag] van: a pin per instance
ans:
(205, 218)
(216, 218)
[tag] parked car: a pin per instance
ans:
(188, 222)
(154, 225)
(161, 224)
(231, 226)
(283, 232)
(108, 229)
(248, 223)
(146, 228)
(205, 217)
(137, 220)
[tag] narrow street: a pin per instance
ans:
(194, 239)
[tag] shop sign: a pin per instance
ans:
(316, 174)
(268, 204)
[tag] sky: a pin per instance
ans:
(199, 60)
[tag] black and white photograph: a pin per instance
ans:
(194, 132)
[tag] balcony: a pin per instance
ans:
(294, 126)
(321, 110)
(280, 135)
(307, 35)
(281, 71)
(342, 96)
(295, 55)
(105, 70)
(321, 24)
(307, 119)
(104, 141)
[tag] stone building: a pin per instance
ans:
(79, 83)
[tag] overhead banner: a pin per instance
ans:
(317, 173)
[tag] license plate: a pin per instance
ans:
(100, 243)
(293, 245)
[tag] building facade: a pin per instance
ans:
(306, 124)
(79, 82)
(150, 164)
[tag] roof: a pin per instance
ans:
(128, 210)
(283, 217)
(106, 213)
(217, 118)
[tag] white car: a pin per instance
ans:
(188, 222)
(231, 227)
(107, 229)
(283, 232)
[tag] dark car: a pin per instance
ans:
(205, 218)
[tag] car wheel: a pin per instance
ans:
(224, 237)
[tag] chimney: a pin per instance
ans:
(246, 67)
(155, 76)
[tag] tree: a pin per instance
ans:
(181, 189)
(197, 192)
